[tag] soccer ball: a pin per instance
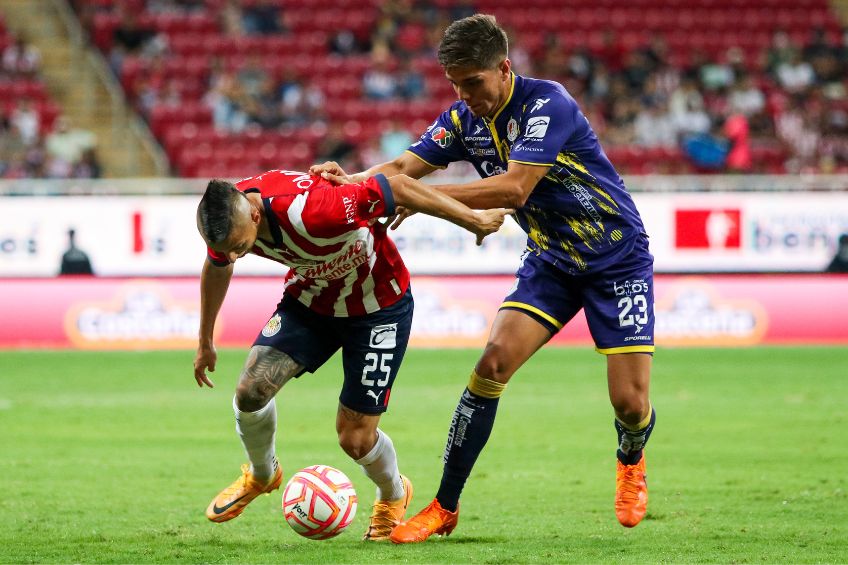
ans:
(319, 502)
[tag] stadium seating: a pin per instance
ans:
(197, 41)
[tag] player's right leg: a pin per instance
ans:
(292, 342)
(264, 373)
(474, 419)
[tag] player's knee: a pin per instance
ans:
(493, 364)
(250, 398)
(630, 409)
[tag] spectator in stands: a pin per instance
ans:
(780, 51)
(654, 126)
(27, 120)
(795, 75)
(378, 82)
(21, 59)
(344, 42)
(128, 38)
(737, 133)
(411, 83)
(226, 99)
(252, 76)
(394, 139)
(263, 17)
(301, 102)
(65, 147)
(264, 108)
(230, 19)
(745, 97)
(335, 147)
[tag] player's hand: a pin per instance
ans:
(331, 171)
(490, 221)
(401, 214)
(205, 358)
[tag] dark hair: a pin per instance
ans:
(215, 211)
(476, 41)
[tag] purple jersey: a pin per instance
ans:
(579, 217)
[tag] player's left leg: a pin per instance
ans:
(619, 306)
(628, 377)
(373, 347)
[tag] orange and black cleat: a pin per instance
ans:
(433, 520)
(631, 493)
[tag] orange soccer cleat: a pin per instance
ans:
(432, 520)
(387, 514)
(232, 500)
(631, 493)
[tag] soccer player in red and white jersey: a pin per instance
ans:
(347, 288)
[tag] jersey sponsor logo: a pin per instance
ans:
(338, 267)
(373, 204)
(719, 228)
(481, 151)
(629, 288)
(477, 129)
(523, 147)
(273, 326)
(512, 129)
(383, 337)
(442, 137)
(537, 105)
(350, 208)
(491, 169)
(537, 127)
(478, 139)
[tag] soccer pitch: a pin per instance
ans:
(113, 458)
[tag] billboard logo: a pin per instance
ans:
(708, 228)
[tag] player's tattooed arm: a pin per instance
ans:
(265, 372)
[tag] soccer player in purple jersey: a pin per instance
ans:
(586, 248)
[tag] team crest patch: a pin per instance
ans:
(511, 129)
(442, 137)
(273, 326)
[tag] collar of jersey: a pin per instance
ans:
(273, 225)
(507, 101)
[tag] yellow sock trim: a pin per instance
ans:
(486, 388)
(641, 425)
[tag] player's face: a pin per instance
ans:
(243, 234)
(482, 90)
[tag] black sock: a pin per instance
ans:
(470, 428)
(632, 442)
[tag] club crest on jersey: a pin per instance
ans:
(442, 137)
(384, 337)
(511, 129)
(273, 326)
(537, 127)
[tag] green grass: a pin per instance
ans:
(113, 457)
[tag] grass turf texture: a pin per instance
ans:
(113, 457)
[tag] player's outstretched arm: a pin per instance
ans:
(405, 164)
(416, 196)
(509, 190)
(214, 282)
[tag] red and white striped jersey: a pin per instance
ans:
(341, 263)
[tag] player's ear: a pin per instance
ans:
(504, 67)
(255, 215)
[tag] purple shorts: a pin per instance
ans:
(618, 301)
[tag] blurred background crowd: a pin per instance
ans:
(229, 87)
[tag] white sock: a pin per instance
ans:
(257, 430)
(380, 465)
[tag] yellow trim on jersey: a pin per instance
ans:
(626, 349)
(491, 123)
(529, 163)
(457, 123)
(420, 158)
(522, 306)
